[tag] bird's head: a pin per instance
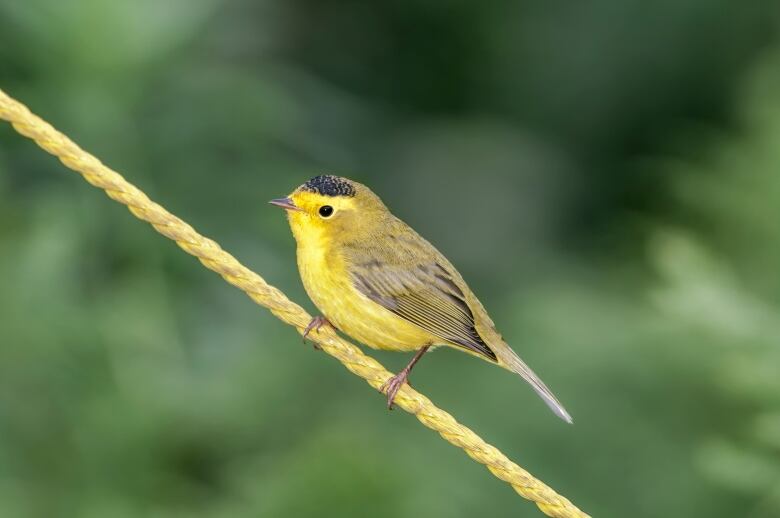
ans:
(332, 208)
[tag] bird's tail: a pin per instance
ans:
(508, 359)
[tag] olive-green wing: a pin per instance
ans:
(414, 281)
(418, 288)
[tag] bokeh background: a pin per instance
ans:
(605, 174)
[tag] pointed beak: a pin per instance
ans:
(285, 203)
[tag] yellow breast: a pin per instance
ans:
(327, 282)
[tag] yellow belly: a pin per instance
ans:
(328, 285)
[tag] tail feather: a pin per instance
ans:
(508, 359)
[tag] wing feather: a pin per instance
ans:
(423, 292)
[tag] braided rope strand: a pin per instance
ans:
(216, 259)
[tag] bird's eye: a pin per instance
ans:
(326, 211)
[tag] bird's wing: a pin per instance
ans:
(414, 282)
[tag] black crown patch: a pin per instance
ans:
(329, 185)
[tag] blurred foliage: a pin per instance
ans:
(604, 174)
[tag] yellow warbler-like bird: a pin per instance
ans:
(380, 282)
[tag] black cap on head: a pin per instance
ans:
(329, 185)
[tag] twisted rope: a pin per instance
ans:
(214, 258)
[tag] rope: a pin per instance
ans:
(214, 258)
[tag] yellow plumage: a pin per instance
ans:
(377, 280)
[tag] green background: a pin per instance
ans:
(606, 175)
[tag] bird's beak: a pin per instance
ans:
(285, 203)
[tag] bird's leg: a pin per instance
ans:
(315, 324)
(394, 384)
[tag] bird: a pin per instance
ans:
(375, 279)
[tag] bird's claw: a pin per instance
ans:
(391, 387)
(315, 325)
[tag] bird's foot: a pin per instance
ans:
(391, 387)
(394, 384)
(315, 325)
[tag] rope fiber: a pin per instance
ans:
(214, 258)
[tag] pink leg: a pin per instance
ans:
(394, 384)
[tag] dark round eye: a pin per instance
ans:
(326, 211)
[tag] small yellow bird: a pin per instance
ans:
(377, 280)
